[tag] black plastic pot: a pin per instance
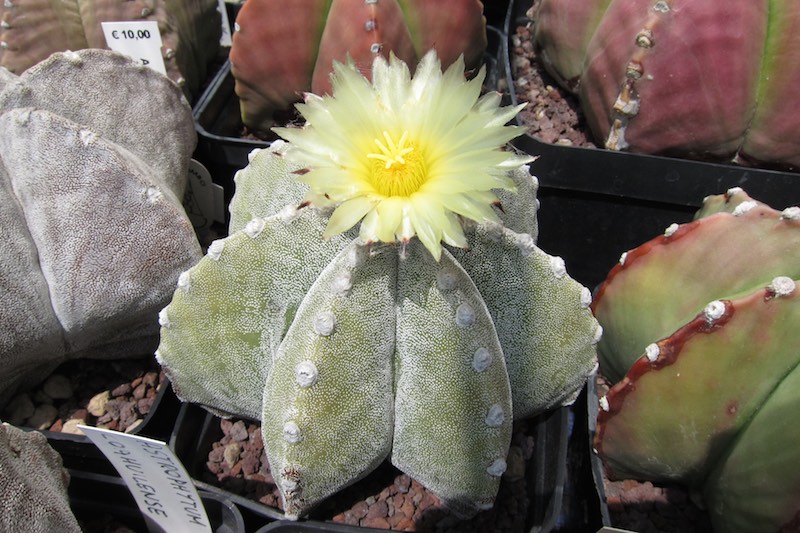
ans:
(596, 203)
(97, 497)
(80, 454)
(547, 472)
(220, 145)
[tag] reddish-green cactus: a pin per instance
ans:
(31, 30)
(281, 50)
(701, 330)
(680, 77)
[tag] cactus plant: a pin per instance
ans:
(282, 50)
(34, 483)
(358, 347)
(701, 335)
(95, 237)
(34, 29)
(676, 77)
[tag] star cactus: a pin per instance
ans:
(697, 79)
(357, 345)
(281, 50)
(701, 335)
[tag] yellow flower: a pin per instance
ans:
(407, 155)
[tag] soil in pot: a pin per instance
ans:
(553, 114)
(114, 394)
(385, 499)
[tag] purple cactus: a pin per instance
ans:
(281, 50)
(708, 79)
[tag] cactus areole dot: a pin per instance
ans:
(407, 156)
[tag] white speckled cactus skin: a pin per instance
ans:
(350, 354)
(94, 234)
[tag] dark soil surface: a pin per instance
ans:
(385, 499)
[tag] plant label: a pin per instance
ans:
(156, 478)
(140, 40)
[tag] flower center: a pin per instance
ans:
(398, 168)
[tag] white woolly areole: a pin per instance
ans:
(356, 256)
(494, 231)
(215, 249)
(604, 403)
(445, 280)
(733, 191)
(623, 258)
(183, 281)
(714, 311)
(288, 213)
(481, 360)
(153, 195)
(495, 416)
(744, 207)
(497, 468)
(291, 433)
(782, 286)
(342, 284)
(73, 57)
(278, 145)
(163, 319)
(598, 334)
(558, 267)
(525, 244)
(324, 323)
(652, 351)
(87, 137)
(671, 229)
(254, 228)
(791, 213)
(306, 374)
(465, 315)
(586, 297)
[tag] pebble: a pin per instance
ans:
(43, 417)
(71, 426)
(97, 404)
(19, 409)
(58, 406)
(57, 387)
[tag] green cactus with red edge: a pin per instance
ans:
(282, 49)
(31, 30)
(696, 79)
(701, 337)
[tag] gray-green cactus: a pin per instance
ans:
(350, 353)
(94, 231)
(701, 335)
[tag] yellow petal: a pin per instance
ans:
(347, 215)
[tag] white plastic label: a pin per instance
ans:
(203, 200)
(140, 40)
(225, 39)
(158, 481)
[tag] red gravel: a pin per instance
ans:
(386, 499)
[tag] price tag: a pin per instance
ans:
(225, 38)
(140, 40)
(158, 481)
